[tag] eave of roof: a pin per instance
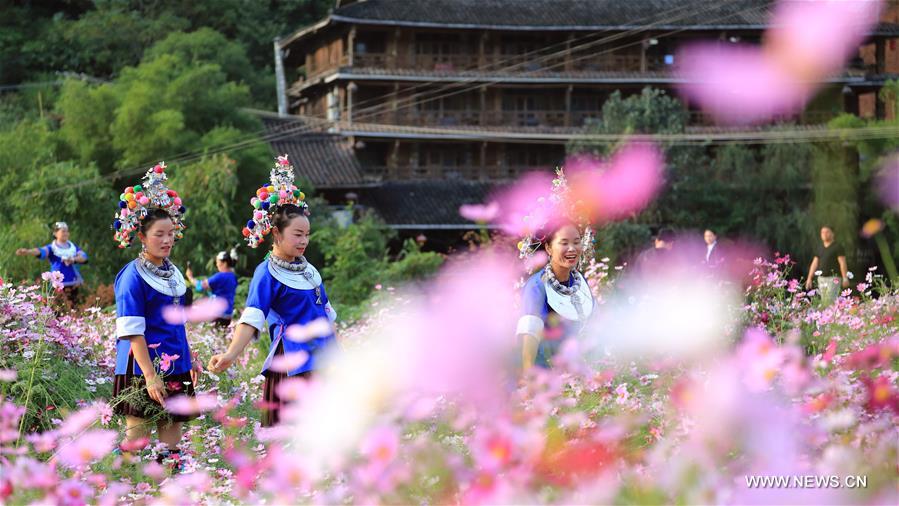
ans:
(462, 76)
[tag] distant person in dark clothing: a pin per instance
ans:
(829, 267)
(662, 247)
(713, 256)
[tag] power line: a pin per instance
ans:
(252, 139)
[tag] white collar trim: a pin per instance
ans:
(67, 252)
(173, 287)
(307, 279)
(563, 304)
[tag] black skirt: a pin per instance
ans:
(271, 402)
(144, 406)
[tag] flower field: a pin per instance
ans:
(793, 390)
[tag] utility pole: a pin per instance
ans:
(280, 79)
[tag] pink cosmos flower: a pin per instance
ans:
(761, 358)
(73, 492)
(621, 394)
(114, 491)
(480, 213)
(881, 394)
(525, 207)
(829, 352)
(43, 442)
(79, 421)
(809, 41)
(8, 375)
(134, 445)
(203, 310)
(289, 361)
(291, 389)
(381, 444)
(187, 405)
(320, 327)
(87, 448)
(165, 363)
(493, 448)
(623, 186)
(55, 278)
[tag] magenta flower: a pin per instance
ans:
(165, 363)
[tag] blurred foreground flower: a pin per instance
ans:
(807, 42)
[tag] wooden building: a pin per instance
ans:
(484, 90)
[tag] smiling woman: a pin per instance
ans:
(286, 291)
(556, 300)
(149, 347)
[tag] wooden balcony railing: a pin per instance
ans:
(628, 62)
(550, 118)
(501, 171)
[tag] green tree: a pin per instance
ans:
(208, 188)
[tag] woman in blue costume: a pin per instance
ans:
(64, 257)
(286, 289)
(152, 355)
(222, 284)
(556, 300)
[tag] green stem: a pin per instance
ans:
(37, 358)
(887, 257)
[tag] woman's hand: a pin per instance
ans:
(22, 252)
(156, 389)
(221, 362)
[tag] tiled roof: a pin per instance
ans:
(570, 14)
(584, 15)
(425, 204)
(567, 14)
(325, 159)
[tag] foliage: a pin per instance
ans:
(775, 194)
(356, 257)
(183, 96)
(413, 264)
(212, 183)
(101, 37)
